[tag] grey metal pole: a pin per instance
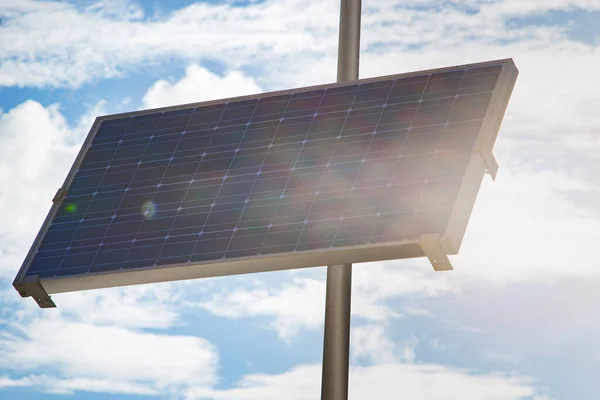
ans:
(336, 343)
(349, 40)
(336, 337)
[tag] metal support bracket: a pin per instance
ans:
(434, 251)
(31, 286)
(59, 196)
(485, 150)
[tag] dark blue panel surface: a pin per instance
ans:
(363, 163)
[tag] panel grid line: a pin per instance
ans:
(400, 155)
(83, 217)
(292, 172)
(262, 226)
(154, 196)
(321, 178)
(200, 233)
(364, 157)
(412, 220)
(310, 169)
(252, 148)
(175, 135)
(441, 137)
(123, 198)
(262, 164)
(215, 128)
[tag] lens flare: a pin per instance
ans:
(149, 209)
(71, 208)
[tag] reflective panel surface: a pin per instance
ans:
(364, 163)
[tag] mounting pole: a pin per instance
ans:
(336, 337)
(349, 41)
(336, 343)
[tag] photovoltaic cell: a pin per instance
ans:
(357, 164)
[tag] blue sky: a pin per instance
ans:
(516, 319)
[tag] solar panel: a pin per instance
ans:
(360, 170)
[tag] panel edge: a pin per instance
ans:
(476, 169)
(302, 89)
(177, 272)
(21, 274)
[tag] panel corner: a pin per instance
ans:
(436, 250)
(31, 286)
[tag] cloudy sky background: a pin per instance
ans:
(516, 319)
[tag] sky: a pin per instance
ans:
(517, 318)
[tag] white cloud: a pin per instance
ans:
(300, 303)
(52, 384)
(388, 381)
(127, 358)
(86, 120)
(11, 383)
(502, 357)
(289, 41)
(521, 322)
(198, 84)
(433, 382)
(533, 7)
(523, 228)
(139, 307)
(118, 9)
(76, 54)
(413, 309)
(294, 306)
(436, 344)
(35, 141)
(35, 160)
(143, 306)
(372, 343)
(375, 283)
